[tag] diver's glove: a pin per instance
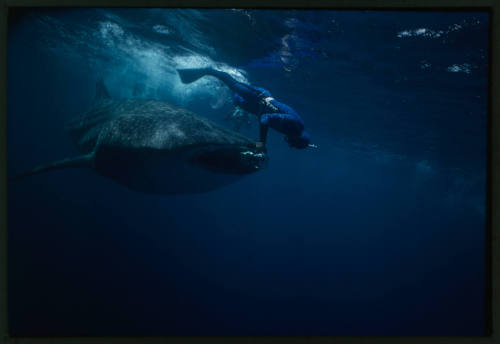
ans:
(300, 142)
(239, 112)
(236, 112)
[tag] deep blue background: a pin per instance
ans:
(380, 231)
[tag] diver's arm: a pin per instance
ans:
(263, 132)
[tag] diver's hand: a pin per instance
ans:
(260, 147)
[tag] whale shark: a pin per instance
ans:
(155, 147)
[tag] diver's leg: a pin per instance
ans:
(263, 121)
(224, 77)
(247, 92)
(189, 75)
(263, 135)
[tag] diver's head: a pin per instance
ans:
(300, 142)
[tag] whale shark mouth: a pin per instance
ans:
(230, 159)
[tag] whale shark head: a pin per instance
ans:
(230, 159)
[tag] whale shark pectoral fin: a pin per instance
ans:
(76, 162)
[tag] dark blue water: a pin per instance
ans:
(379, 231)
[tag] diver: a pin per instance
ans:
(259, 102)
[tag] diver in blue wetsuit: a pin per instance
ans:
(258, 101)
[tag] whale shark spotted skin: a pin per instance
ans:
(155, 147)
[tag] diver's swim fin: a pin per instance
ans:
(190, 75)
(77, 162)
